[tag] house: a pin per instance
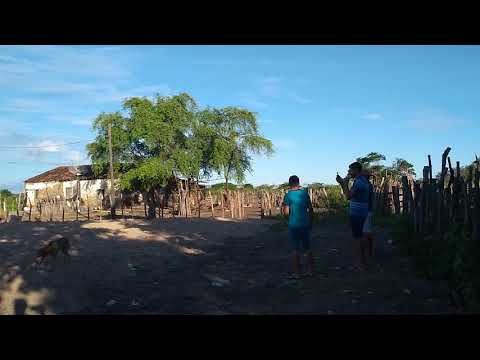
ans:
(66, 182)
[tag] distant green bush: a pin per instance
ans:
(221, 186)
(10, 198)
(335, 200)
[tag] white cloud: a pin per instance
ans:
(434, 124)
(80, 120)
(25, 105)
(147, 90)
(372, 116)
(270, 86)
(6, 58)
(434, 120)
(253, 102)
(300, 99)
(75, 156)
(48, 146)
(274, 88)
(33, 65)
(62, 88)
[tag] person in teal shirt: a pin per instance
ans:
(298, 207)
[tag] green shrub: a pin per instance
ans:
(452, 257)
(10, 199)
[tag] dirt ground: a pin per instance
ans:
(202, 266)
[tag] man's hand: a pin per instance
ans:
(339, 179)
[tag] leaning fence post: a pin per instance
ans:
(211, 203)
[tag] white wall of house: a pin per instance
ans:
(31, 187)
(88, 188)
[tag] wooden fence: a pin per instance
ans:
(188, 203)
(431, 205)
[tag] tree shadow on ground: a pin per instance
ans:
(127, 266)
(200, 266)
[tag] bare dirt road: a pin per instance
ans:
(202, 266)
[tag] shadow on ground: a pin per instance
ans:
(201, 266)
(160, 266)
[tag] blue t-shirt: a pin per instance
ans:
(360, 197)
(298, 202)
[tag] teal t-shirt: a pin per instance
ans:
(298, 202)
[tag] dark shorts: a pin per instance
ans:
(357, 225)
(299, 238)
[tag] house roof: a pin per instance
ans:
(64, 173)
(69, 173)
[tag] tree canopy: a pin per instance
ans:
(155, 141)
(234, 138)
(372, 163)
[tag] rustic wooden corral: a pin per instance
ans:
(433, 206)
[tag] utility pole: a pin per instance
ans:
(112, 190)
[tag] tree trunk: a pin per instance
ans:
(187, 199)
(197, 195)
(151, 204)
(144, 196)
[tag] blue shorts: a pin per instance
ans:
(357, 222)
(299, 237)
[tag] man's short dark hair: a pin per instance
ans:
(356, 166)
(293, 180)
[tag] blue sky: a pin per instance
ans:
(322, 106)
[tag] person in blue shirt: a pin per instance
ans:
(298, 207)
(359, 198)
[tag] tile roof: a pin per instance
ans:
(64, 173)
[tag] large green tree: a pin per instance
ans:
(372, 163)
(401, 167)
(147, 142)
(156, 142)
(236, 137)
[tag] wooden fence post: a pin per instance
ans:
(211, 203)
(239, 202)
(221, 204)
(30, 210)
(122, 205)
(396, 199)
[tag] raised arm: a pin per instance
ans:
(344, 185)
